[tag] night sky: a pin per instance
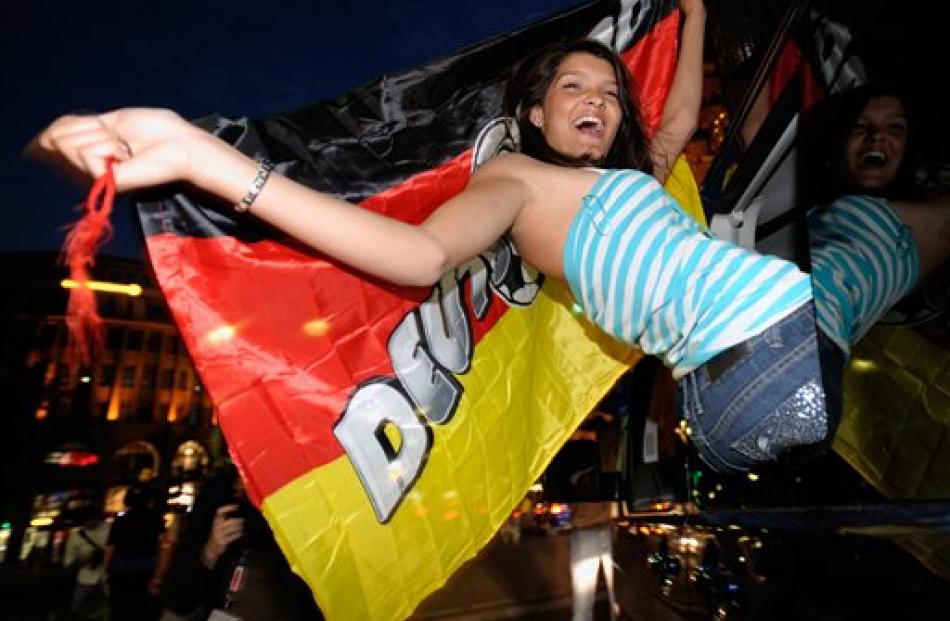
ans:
(201, 57)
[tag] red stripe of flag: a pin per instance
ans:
(284, 411)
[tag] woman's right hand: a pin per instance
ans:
(150, 146)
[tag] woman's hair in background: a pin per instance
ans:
(835, 119)
(529, 84)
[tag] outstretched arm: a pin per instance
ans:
(681, 110)
(154, 147)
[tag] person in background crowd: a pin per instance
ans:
(85, 550)
(227, 561)
(131, 555)
(591, 538)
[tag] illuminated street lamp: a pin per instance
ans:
(131, 290)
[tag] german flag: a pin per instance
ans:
(387, 432)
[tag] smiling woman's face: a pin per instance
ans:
(875, 147)
(581, 110)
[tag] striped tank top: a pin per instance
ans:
(647, 273)
(864, 260)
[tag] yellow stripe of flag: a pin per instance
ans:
(534, 378)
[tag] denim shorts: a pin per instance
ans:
(765, 400)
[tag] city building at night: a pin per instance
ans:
(78, 434)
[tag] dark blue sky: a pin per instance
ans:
(200, 57)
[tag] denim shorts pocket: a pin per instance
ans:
(694, 410)
(719, 366)
(800, 420)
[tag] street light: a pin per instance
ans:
(131, 290)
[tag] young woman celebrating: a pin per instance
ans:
(580, 205)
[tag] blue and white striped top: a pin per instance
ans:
(864, 260)
(647, 273)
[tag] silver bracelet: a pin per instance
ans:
(263, 174)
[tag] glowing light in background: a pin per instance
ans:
(689, 544)
(221, 335)
(863, 366)
(683, 430)
(316, 327)
(112, 414)
(132, 289)
(80, 459)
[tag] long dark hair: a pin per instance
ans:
(835, 123)
(530, 83)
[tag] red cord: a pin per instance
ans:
(84, 239)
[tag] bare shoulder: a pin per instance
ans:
(507, 166)
(534, 177)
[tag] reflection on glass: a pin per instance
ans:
(875, 234)
(868, 165)
(878, 231)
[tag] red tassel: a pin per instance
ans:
(84, 239)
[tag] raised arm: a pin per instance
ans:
(153, 147)
(681, 110)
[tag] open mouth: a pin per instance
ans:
(873, 159)
(590, 125)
